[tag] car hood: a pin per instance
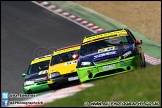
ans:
(64, 68)
(36, 76)
(116, 52)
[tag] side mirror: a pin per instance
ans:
(75, 56)
(138, 42)
(23, 75)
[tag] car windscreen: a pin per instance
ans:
(63, 57)
(37, 67)
(103, 43)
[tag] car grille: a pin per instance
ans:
(70, 74)
(109, 72)
(40, 80)
(105, 60)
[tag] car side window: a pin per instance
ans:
(55, 60)
(123, 39)
(131, 35)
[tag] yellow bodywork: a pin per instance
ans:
(111, 34)
(37, 60)
(64, 67)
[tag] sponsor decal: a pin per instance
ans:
(122, 63)
(43, 72)
(66, 50)
(115, 33)
(85, 63)
(104, 54)
(70, 62)
(127, 54)
(106, 49)
(108, 67)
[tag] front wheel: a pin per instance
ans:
(53, 87)
(142, 62)
(50, 86)
(144, 65)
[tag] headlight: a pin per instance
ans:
(54, 74)
(87, 64)
(28, 83)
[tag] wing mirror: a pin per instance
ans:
(138, 42)
(75, 56)
(23, 75)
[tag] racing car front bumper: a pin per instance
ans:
(63, 80)
(108, 68)
(35, 88)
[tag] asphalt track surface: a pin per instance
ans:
(28, 31)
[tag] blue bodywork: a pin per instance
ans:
(95, 56)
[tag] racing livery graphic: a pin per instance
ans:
(109, 53)
(35, 78)
(62, 68)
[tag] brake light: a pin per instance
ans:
(138, 42)
(47, 77)
(75, 56)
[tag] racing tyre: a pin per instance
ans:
(142, 63)
(29, 92)
(50, 86)
(53, 87)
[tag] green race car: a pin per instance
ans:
(35, 78)
(109, 53)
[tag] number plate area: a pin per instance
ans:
(73, 78)
(108, 67)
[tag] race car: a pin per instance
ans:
(109, 53)
(62, 68)
(35, 78)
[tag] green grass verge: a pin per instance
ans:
(138, 85)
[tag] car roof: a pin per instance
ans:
(110, 33)
(69, 48)
(106, 32)
(41, 58)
